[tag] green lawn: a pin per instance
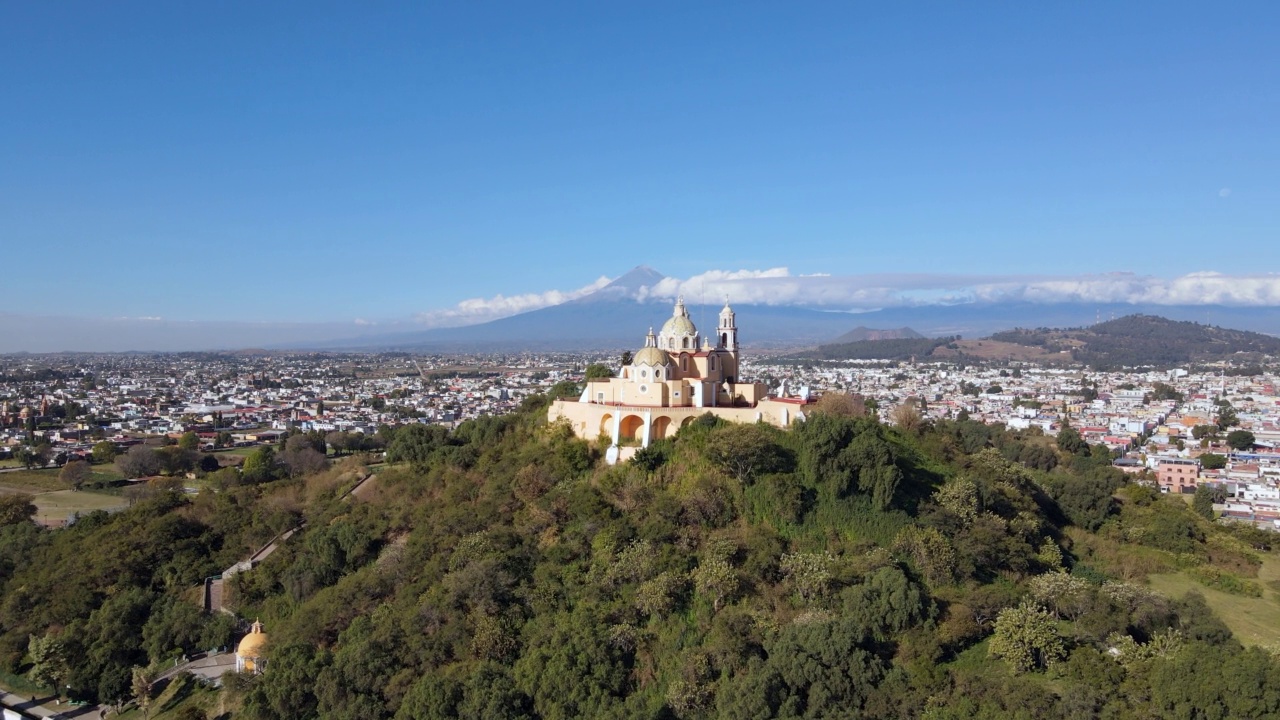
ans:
(60, 504)
(1254, 621)
(32, 481)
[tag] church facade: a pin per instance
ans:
(678, 375)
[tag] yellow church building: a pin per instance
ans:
(678, 375)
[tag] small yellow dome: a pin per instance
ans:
(252, 645)
(651, 356)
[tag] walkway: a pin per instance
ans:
(20, 706)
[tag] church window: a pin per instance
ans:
(644, 389)
(644, 373)
(686, 343)
(724, 339)
(684, 362)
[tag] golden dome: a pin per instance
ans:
(651, 356)
(679, 325)
(252, 645)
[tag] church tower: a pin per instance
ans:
(728, 329)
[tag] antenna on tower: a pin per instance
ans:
(702, 303)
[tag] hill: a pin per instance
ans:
(887, 349)
(843, 568)
(1142, 340)
(861, 333)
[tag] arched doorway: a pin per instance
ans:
(686, 421)
(606, 425)
(631, 426)
(659, 428)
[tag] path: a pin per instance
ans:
(20, 706)
(209, 667)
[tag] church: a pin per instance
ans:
(678, 375)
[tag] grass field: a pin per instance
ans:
(32, 481)
(1255, 621)
(60, 504)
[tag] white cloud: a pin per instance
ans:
(777, 286)
(478, 310)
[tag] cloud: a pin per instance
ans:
(478, 310)
(857, 293)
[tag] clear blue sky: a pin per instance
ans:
(326, 161)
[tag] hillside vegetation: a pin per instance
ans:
(1146, 340)
(841, 569)
(885, 349)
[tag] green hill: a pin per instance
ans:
(841, 569)
(1142, 340)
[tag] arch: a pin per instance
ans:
(659, 428)
(687, 420)
(685, 342)
(631, 426)
(724, 339)
(606, 425)
(684, 362)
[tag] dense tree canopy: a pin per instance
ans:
(842, 568)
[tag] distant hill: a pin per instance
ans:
(861, 333)
(1137, 340)
(888, 349)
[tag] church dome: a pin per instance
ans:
(679, 332)
(651, 356)
(679, 326)
(253, 644)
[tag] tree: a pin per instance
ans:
(139, 461)
(28, 457)
(1027, 638)
(209, 463)
(1069, 440)
(104, 451)
(260, 465)
(598, 371)
(626, 358)
(717, 580)
(746, 451)
(1241, 440)
(1226, 417)
(189, 441)
(416, 444)
(841, 404)
(1200, 432)
(74, 474)
(50, 663)
(304, 461)
(143, 685)
(1203, 501)
(906, 416)
(1212, 461)
(16, 509)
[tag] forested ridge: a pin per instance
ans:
(840, 569)
(1141, 340)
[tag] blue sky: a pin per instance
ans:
(331, 161)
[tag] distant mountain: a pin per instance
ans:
(1137, 340)
(861, 333)
(612, 318)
